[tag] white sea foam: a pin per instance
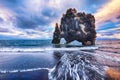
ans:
(46, 49)
(23, 70)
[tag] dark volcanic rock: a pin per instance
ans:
(75, 26)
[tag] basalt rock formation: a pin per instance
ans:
(75, 26)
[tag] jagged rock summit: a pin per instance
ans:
(75, 26)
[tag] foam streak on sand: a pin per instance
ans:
(23, 70)
(77, 66)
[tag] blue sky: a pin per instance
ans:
(35, 19)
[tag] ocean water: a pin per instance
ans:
(41, 60)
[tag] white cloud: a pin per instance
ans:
(34, 8)
(115, 36)
(110, 30)
(109, 11)
(8, 27)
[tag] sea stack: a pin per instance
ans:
(75, 26)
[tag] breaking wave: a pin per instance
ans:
(45, 49)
